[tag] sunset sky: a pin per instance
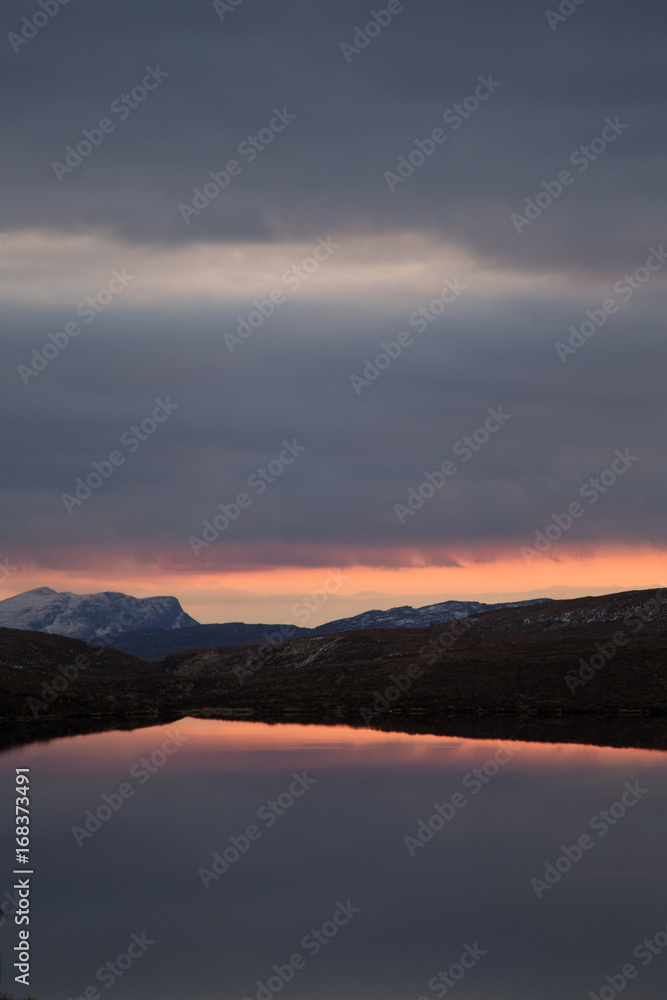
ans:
(471, 193)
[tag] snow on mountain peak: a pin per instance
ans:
(90, 616)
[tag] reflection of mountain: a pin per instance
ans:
(87, 616)
(154, 644)
(511, 662)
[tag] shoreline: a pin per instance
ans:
(618, 730)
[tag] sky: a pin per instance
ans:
(331, 305)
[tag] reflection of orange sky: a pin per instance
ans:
(381, 579)
(245, 746)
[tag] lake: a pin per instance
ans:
(213, 860)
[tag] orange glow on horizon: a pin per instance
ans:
(256, 593)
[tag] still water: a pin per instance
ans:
(210, 860)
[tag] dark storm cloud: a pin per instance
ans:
(363, 452)
(353, 121)
(323, 173)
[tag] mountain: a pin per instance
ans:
(583, 670)
(155, 644)
(90, 616)
(407, 617)
(587, 655)
(44, 677)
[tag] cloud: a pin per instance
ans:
(363, 453)
(321, 176)
(353, 123)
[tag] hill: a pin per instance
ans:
(562, 667)
(592, 654)
(154, 644)
(89, 616)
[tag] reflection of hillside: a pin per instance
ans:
(586, 670)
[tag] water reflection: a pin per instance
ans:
(305, 861)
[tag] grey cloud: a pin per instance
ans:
(363, 452)
(324, 173)
(353, 122)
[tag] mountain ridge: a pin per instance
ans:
(569, 668)
(89, 616)
(154, 645)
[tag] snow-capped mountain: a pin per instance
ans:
(409, 617)
(90, 616)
